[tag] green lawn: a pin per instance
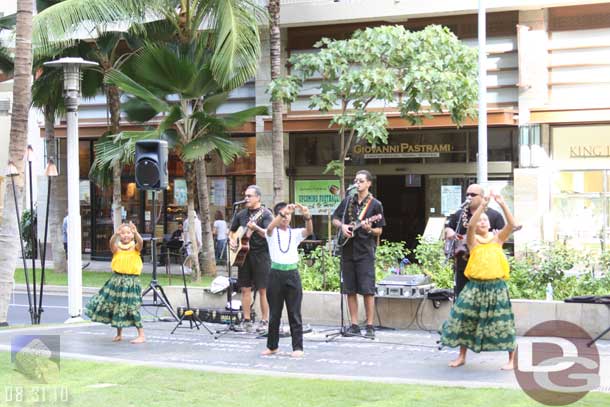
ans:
(104, 384)
(98, 278)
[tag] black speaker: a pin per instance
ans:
(151, 164)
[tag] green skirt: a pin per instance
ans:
(118, 302)
(481, 319)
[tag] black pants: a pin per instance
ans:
(285, 286)
(460, 280)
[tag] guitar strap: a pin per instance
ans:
(365, 209)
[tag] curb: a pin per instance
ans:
(56, 289)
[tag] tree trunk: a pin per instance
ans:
(59, 193)
(9, 235)
(207, 243)
(190, 197)
(277, 134)
(114, 105)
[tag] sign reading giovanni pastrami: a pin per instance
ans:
(402, 150)
(554, 365)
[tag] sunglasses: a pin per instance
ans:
(359, 181)
(471, 194)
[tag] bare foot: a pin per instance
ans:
(268, 352)
(509, 366)
(297, 354)
(117, 338)
(457, 362)
(139, 339)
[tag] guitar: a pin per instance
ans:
(243, 234)
(342, 240)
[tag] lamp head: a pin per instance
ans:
(51, 170)
(11, 170)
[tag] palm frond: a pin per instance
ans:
(227, 149)
(128, 85)
(7, 63)
(237, 119)
(237, 40)
(137, 110)
(58, 26)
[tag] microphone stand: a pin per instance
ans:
(231, 327)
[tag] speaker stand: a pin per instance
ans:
(159, 297)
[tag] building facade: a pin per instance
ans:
(548, 64)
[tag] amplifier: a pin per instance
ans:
(404, 286)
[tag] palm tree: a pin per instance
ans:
(153, 77)
(227, 27)
(17, 147)
(277, 133)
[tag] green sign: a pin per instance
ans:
(317, 195)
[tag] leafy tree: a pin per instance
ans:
(419, 72)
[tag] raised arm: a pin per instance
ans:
(504, 234)
(282, 213)
(137, 237)
(112, 242)
(308, 222)
(472, 225)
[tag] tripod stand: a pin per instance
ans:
(231, 327)
(188, 312)
(159, 297)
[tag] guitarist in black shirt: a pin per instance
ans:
(358, 253)
(255, 270)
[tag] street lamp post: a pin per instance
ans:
(72, 81)
(482, 139)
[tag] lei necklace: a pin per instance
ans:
(484, 239)
(279, 243)
(127, 246)
(351, 208)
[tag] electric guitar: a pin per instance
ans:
(342, 240)
(243, 234)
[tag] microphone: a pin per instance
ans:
(351, 187)
(465, 203)
(243, 201)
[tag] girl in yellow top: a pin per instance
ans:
(119, 300)
(482, 318)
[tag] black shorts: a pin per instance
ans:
(358, 276)
(255, 271)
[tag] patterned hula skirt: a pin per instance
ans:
(481, 319)
(118, 302)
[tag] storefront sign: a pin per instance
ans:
(219, 192)
(581, 142)
(402, 150)
(451, 198)
(317, 195)
(180, 192)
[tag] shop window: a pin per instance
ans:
(580, 208)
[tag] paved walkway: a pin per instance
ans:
(394, 356)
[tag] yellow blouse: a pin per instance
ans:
(127, 262)
(487, 262)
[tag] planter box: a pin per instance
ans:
(323, 308)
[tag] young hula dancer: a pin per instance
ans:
(119, 300)
(482, 318)
(284, 284)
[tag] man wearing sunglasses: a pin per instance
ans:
(255, 271)
(358, 253)
(457, 225)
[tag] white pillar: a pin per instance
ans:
(75, 278)
(482, 156)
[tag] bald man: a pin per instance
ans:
(457, 225)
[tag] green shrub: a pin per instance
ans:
(28, 231)
(431, 260)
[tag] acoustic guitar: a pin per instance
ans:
(342, 240)
(243, 234)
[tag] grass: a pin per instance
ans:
(128, 385)
(98, 278)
